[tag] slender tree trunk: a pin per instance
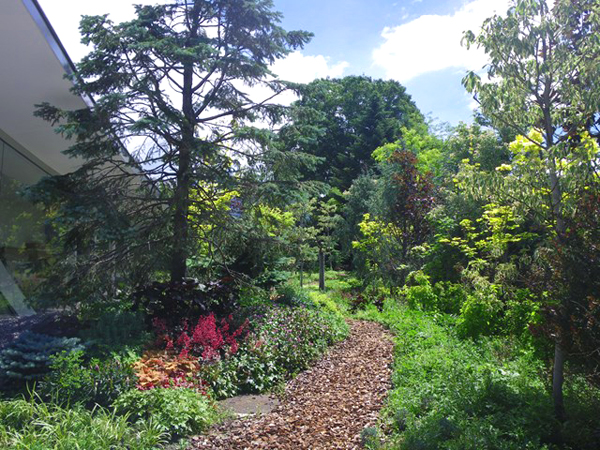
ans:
(560, 229)
(180, 220)
(321, 270)
(302, 274)
(558, 379)
(181, 197)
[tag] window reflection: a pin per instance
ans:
(22, 239)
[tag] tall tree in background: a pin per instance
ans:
(545, 75)
(350, 117)
(173, 84)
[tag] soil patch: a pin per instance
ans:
(325, 407)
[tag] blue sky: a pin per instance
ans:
(416, 42)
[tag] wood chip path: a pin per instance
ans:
(325, 407)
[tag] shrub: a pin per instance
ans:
(442, 297)
(284, 342)
(369, 437)
(252, 370)
(521, 311)
(28, 359)
(288, 295)
(177, 411)
(173, 301)
(117, 329)
(251, 295)
(326, 303)
(450, 297)
(480, 314)
(96, 382)
(28, 425)
(296, 337)
(419, 293)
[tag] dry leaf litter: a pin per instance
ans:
(325, 407)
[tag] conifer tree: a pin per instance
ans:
(174, 85)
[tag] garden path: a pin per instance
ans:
(325, 407)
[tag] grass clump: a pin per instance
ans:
(32, 425)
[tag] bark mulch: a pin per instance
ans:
(325, 407)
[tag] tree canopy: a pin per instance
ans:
(349, 118)
(174, 85)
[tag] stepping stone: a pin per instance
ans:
(247, 405)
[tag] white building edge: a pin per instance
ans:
(32, 70)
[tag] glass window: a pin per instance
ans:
(22, 235)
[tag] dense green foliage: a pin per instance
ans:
(97, 382)
(477, 248)
(452, 393)
(176, 411)
(284, 342)
(33, 424)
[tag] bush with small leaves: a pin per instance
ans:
(369, 437)
(288, 295)
(28, 359)
(117, 329)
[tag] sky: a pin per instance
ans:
(416, 42)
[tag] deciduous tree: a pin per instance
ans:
(543, 77)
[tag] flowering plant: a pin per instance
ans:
(209, 339)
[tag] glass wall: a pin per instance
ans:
(22, 236)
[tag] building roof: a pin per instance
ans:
(33, 65)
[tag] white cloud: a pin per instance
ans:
(432, 42)
(299, 68)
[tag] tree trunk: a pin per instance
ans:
(321, 270)
(557, 381)
(302, 274)
(180, 225)
(559, 351)
(560, 228)
(181, 197)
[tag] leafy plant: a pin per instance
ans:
(283, 342)
(297, 336)
(178, 411)
(369, 437)
(289, 295)
(115, 329)
(73, 380)
(173, 301)
(251, 370)
(163, 370)
(207, 339)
